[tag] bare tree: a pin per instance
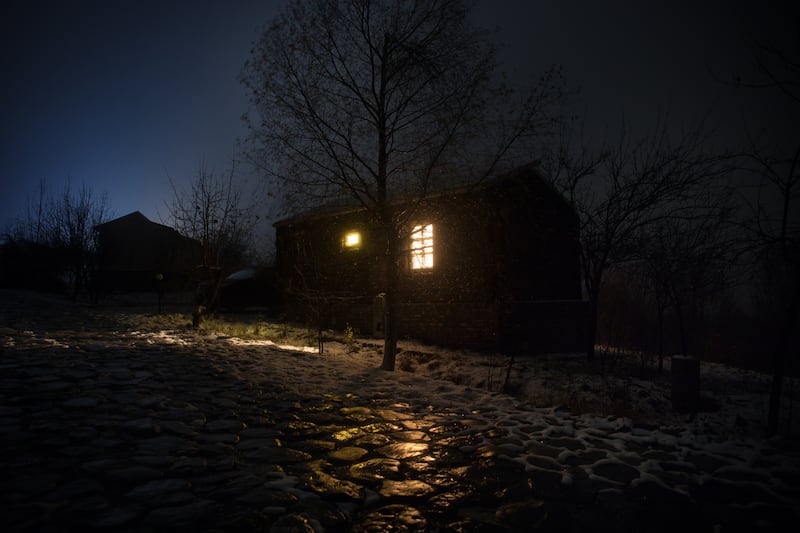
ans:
(379, 99)
(620, 191)
(71, 219)
(213, 211)
(775, 228)
(65, 224)
(689, 258)
(32, 226)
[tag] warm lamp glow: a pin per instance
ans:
(352, 239)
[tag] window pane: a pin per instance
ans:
(352, 239)
(422, 247)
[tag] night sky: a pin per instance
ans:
(123, 94)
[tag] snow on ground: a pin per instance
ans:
(555, 410)
(558, 406)
(734, 400)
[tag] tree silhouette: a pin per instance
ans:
(376, 100)
(65, 223)
(213, 211)
(620, 192)
(688, 258)
(775, 157)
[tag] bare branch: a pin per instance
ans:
(369, 101)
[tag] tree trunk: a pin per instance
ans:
(682, 329)
(779, 364)
(390, 312)
(592, 336)
(660, 340)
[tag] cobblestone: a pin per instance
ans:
(103, 431)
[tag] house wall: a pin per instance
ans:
(501, 253)
(311, 258)
(515, 242)
(542, 326)
(465, 324)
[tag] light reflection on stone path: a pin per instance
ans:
(132, 431)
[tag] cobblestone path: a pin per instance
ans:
(118, 430)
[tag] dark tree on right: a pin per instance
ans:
(773, 156)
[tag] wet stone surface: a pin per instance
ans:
(127, 434)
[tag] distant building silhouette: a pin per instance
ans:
(133, 250)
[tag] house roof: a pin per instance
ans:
(528, 173)
(133, 219)
(136, 226)
(133, 242)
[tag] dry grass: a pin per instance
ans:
(616, 387)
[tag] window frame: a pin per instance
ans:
(422, 248)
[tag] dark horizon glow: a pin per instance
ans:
(125, 95)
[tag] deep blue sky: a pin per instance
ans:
(122, 94)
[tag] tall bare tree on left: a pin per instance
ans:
(76, 214)
(66, 222)
(213, 210)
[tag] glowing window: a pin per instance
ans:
(352, 239)
(422, 247)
